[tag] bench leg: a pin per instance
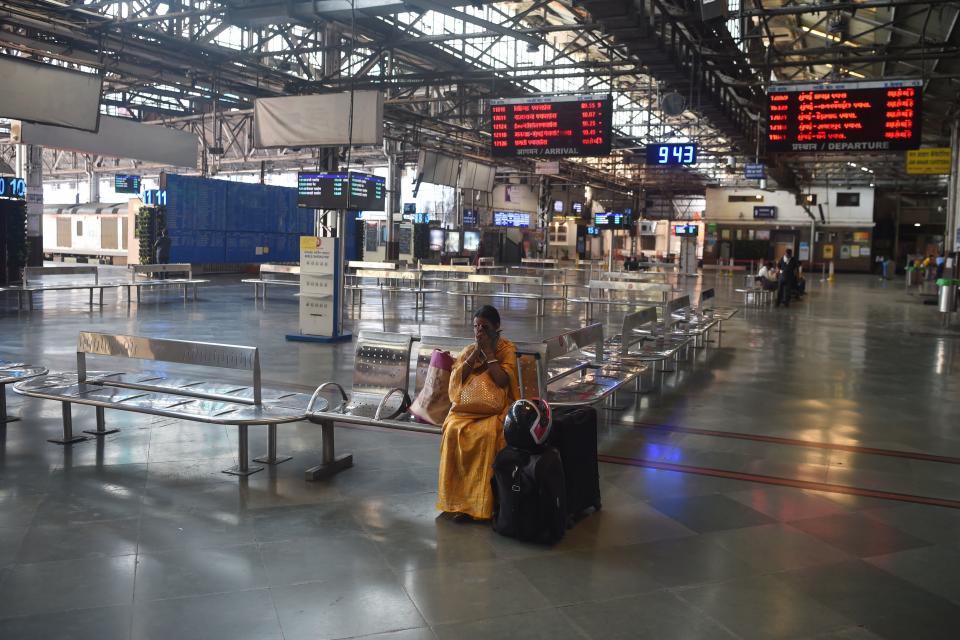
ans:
(101, 429)
(68, 437)
(101, 297)
(244, 468)
(30, 300)
(91, 298)
(195, 292)
(4, 418)
(272, 457)
(332, 463)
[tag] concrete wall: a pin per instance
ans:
(720, 209)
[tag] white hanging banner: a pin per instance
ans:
(318, 120)
(50, 95)
(117, 138)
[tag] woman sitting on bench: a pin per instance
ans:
(483, 385)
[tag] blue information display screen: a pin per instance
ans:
(685, 230)
(357, 191)
(672, 154)
(470, 217)
(611, 220)
(123, 183)
(367, 192)
(511, 219)
(323, 190)
(13, 188)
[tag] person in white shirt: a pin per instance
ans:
(767, 276)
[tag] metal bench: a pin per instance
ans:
(11, 373)
(387, 281)
(446, 273)
(33, 282)
(381, 384)
(506, 284)
(576, 371)
(639, 341)
(599, 292)
(756, 296)
(211, 401)
(284, 275)
(186, 284)
(636, 276)
(353, 265)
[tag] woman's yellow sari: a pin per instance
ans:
(470, 442)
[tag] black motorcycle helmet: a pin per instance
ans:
(527, 425)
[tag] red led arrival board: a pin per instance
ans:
(552, 126)
(845, 116)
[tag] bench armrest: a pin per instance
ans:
(405, 403)
(321, 389)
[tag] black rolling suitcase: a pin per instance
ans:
(528, 495)
(574, 434)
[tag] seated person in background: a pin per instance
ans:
(800, 288)
(767, 276)
(483, 385)
(631, 263)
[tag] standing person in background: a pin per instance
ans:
(788, 266)
(161, 250)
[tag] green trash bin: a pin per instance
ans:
(948, 294)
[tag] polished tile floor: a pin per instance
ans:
(142, 536)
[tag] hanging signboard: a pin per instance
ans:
(845, 116)
(764, 213)
(552, 126)
(933, 161)
(755, 171)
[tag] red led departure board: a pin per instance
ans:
(552, 126)
(845, 117)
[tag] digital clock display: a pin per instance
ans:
(672, 153)
(552, 126)
(845, 117)
(13, 188)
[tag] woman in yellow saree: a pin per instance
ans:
(483, 385)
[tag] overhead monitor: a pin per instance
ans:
(421, 218)
(409, 208)
(436, 239)
(367, 192)
(558, 206)
(576, 207)
(611, 220)
(552, 126)
(685, 230)
(470, 217)
(471, 240)
(323, 190)
(593, 231)
(451, 243)
(672, 154)
(846, 117)
(126, 183)
(511, 219)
